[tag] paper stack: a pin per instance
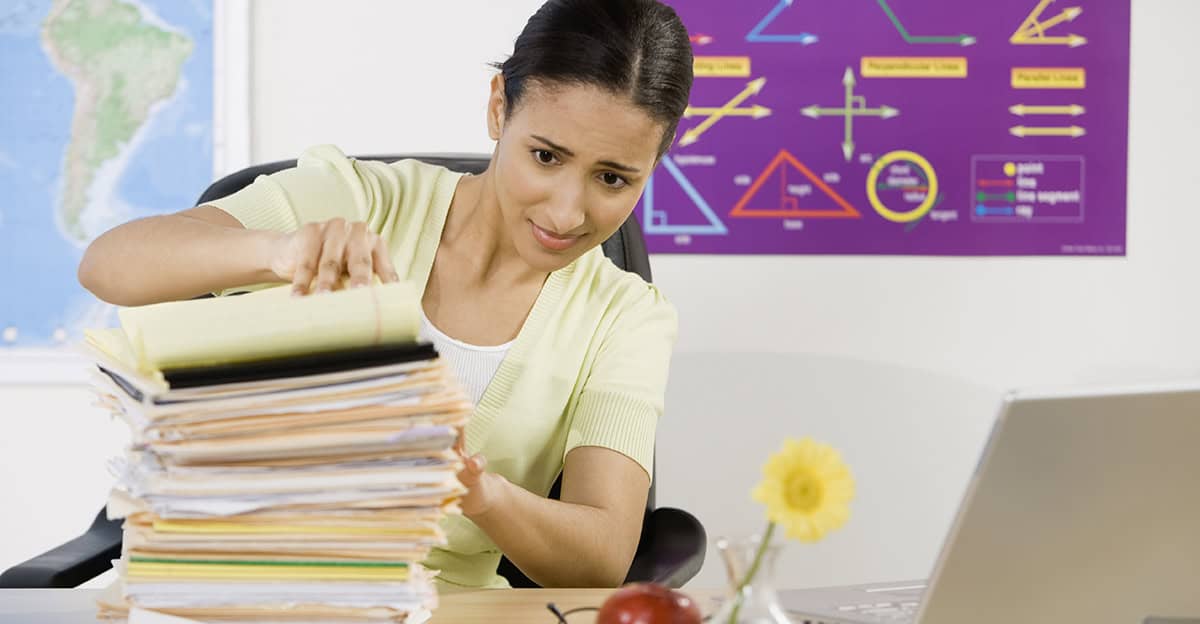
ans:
(291, 458)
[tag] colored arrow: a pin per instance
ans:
(1031, 19)
(848, 142)
(1021, 110)
(1073, 41)
(1028, 131)
(964, 40)
(756, 111)
(1038, 29)
(983, 211)
(855, 106)
(752, 88)
(1033, 32)
(755, 35)
(815, 111)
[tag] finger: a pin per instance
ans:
(331, 266)
(468, 482)
(383, 262)
(359, 254)
(475, 464)
(472, 470)
(308, 248)
(468, 477)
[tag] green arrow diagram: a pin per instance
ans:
(849, 111)
(963, 40)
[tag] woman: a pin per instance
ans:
(565, 354)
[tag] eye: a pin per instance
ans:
(545, 157)
(613, 180)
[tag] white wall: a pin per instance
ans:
(897, 361)
(386, 76)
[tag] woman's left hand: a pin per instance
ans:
(482, 486)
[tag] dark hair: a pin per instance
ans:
(635, 47)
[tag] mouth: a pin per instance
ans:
(552, 241)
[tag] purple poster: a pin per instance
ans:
(924, 127)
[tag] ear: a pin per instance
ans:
(496, 108)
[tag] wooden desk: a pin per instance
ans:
(528, 606)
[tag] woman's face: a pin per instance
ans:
(570, 164)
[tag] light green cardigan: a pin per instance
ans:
(588, 368)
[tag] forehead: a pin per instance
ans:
(590, 121)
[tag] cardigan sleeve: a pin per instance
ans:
(622, 397)
(393, 199)
(323, 185)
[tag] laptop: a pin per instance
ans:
(1084, 507)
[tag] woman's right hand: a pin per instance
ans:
(328, 252)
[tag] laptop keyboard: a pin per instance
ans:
(904, 611)
(874, 603)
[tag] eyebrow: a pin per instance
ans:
(607, 163)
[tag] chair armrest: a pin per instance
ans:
(671, 550)
(72, 563)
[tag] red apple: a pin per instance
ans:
(648, 603)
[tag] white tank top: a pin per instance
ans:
(473, 365)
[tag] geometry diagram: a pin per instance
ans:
(1073, 131)
(964, 40)
(655, 221)
(756, 34)
(1033, 32)
(780, 201)
(729, 108)
(856, 106)
(909, 188)
(1021, 110)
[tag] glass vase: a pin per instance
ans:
(753, 600)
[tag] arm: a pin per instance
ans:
(206, 249)
(589, 537)
(300, 223)
(598, 521)
(177, 256)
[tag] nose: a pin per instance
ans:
(565, 211)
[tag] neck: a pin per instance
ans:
(476, 233)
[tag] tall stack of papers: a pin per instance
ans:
(291, 458)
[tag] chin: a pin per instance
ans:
(544, 260)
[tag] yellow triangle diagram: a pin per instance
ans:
(1034, 30)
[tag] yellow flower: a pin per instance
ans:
(807, 489)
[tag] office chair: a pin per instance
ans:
(672, 545)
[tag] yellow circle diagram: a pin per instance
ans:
(931, 192)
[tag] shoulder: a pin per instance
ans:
(624, 297)
(413, 174)
(406, 190)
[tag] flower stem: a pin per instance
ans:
(758, 557)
